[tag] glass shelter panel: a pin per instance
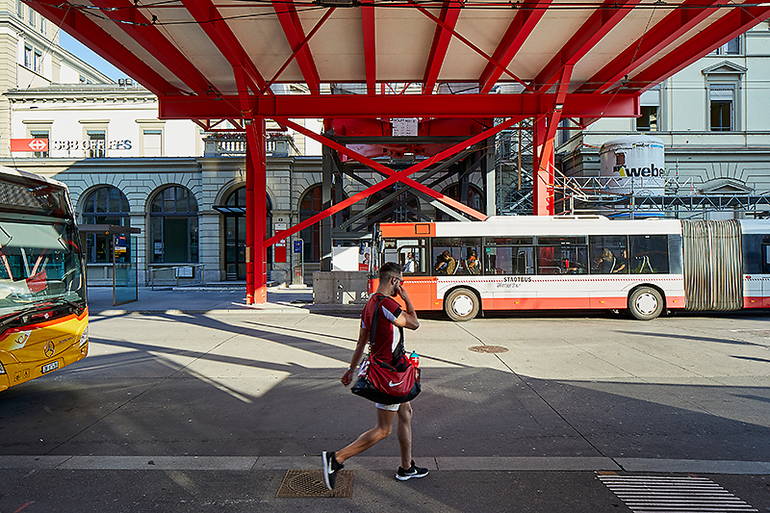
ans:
(125, 287)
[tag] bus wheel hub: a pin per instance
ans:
(646, 303)
(462, 305)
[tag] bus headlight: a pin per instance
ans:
(84, 337)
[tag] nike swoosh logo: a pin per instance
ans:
(391, 384)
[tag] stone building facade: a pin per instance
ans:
(712, 119)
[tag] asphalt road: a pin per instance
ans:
(207, 411)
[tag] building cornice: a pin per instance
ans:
(81, 94)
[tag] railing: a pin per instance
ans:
(181, 275)
(671, 196)
(234, 145)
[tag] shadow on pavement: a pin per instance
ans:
(155, 399)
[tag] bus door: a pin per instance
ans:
(562, 268)
(610, 265)
(509, 265)
(756, 269)
(412, 256)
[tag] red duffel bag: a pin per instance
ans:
(388, 384)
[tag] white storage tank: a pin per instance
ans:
(636, 163)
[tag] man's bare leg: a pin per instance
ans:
(405, 434)
(369, 438)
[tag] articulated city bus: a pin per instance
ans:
(43, 311)
(582, 262)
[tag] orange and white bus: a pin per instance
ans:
(43, 311)
(581, 262)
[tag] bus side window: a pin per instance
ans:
(509, 260)
(457, 255)
(753, 254)
(609, 254)
(570, 256)
(412, 259)
(649, 254)
(765, 257)
(675, 254)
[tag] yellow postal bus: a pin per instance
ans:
(43, 310)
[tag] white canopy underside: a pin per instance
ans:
(402, 42)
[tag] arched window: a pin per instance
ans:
(103, 205)
(475, 200)
(173, 226)
(402, 208)
(310, 205)
(234, 212)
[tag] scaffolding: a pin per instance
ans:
(673, 196)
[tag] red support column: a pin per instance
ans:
(542, 179)
(256, 212)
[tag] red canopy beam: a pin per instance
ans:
(466, 41)
(90, 34)
(385, 170)
(450, 12)
(295, 35)
(602, 20)
(210, 21)
(305, 41)
(135, 24)
(518, 31)
(728, 27)
(453, 150)
(393, 105)
(370, 47)
(666, 31)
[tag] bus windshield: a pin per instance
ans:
(40, 263)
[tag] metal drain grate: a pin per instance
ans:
(310, 484)
(488, 349)
(683, 494)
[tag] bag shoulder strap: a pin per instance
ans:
(375, 316)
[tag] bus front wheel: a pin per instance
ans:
(645, 303)
(461, 305)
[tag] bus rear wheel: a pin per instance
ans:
(461, 305)
(645, 303)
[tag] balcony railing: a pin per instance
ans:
(234, 145)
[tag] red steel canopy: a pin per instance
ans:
(209, 60)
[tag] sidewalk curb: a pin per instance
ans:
(306, 309)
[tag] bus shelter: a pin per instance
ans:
(122, 249)
(495, 62)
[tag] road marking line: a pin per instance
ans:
(656, 494)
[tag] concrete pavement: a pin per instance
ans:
(224, 402)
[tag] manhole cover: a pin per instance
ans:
(488, 349)
(310, 483)
(685, 494)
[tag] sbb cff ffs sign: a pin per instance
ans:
(29, 144)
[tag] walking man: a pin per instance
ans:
(388, 346)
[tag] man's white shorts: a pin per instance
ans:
(388, 407)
